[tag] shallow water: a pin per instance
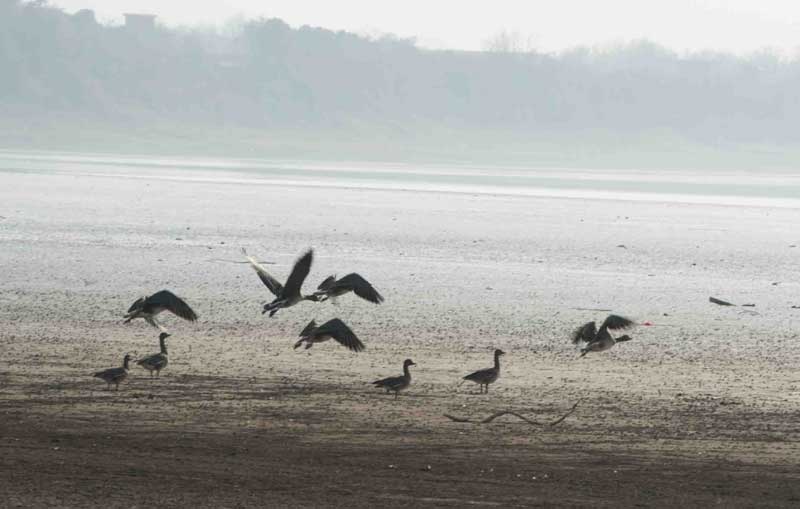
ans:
(757, 188)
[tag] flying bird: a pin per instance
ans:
(165, 300)
(332, 329)
(600, 340)
(484, 377)
(397, 383)
(157, 361)
(332, 288)
(115, 375)
(289, 294)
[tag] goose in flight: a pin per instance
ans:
(115, 375)
(332, 329)
(600, 340)
(165, 300)
(289, 294)
(332, 288)
(157, 361)
(484, 377)
(397, 383)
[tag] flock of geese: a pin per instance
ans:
(588, 336)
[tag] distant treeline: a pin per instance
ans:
(267, 74)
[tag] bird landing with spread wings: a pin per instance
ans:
(149, 307)
(332, 329)
(332, 288)
(286, 295)
(595, 340)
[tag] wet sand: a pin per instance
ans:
(700, 409)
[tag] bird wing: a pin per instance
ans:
(585, 333)
(154, 360)
(137, 305)
(388, 382)
(308, 329)
(327, 283)
(172, 302)
(109, 373)
(615, 322)
(301, 269)
(270, 282)
(480, 374)
(339, 331)
(360, 287)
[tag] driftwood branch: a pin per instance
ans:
(515, 414)
(714, 300)
(237, 261)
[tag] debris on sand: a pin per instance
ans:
(714, 300)
(495, 415)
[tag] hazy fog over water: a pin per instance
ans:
(84, 80)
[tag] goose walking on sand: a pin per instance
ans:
(115, 375)
(157, 361)
(332, 329)
(484, 377)
(397, 383)
(595, 340)
(332, 288)
(289, 294)
(148, 307)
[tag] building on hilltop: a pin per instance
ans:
(140, 22)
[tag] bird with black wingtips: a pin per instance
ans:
(397, 383)
(484, 377)
(289, 294)
(595, 340)
(115, 375)
(332, 329)
(158, 361)
(331, 288)
(148, 307)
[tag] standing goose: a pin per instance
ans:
(484, 377)
(332, 288)
(600, 340)
(289, 294)
(115, 375)
(157, 361)
(397, 383)
(165, 300)
(332, 329)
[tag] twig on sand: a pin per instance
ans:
(719, 302)
(601, 310)
(515, 414)
(237, 261)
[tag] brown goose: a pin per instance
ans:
(484, 377)
(158, 361)
(289, 294)
(115, 375)
(332, 329)
(332, 288)
(600, 340)
(148, 307)
(397, 383)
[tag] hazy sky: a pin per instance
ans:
(739, 26)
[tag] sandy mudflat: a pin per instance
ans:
(700, 409)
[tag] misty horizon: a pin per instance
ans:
(338, 94)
